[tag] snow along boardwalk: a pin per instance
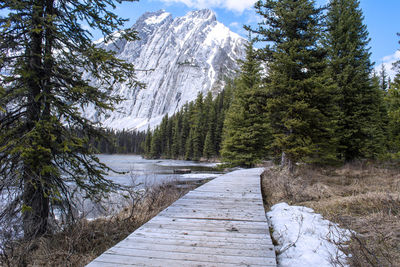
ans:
(221, 223)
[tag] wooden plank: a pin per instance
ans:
(214, 228)
(199, 249)
(107, 260)
(209, 210)
(171, 242)
(219, 194)
(167, 220)
(255, 260)
(185, 232)
(218, 200)
(232, 203)
(212, 197)
(197, 238)
(216, 206)
(215, 214)
(221, 223)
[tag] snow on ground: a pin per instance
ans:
(182, 163)
(197, 176)
(304, 238)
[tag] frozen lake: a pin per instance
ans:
(142, 170)
(139, 172)
(142, 173)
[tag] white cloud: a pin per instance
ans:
(233, 5)
(388, 63)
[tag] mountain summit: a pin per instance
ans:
(177, 59)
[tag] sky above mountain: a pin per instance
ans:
(381, 17)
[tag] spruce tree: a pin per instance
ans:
(176, 135)
(147, 142)
(208, 150)
(156, 144)
(211, 121)
(384, 79)
(197, 128)
(300, 94)
(360, 125)
(246, 132)
(43, 52)
(392, 100)
(185, 130)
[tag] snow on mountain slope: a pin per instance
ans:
(177, 59)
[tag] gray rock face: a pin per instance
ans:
(177, 59)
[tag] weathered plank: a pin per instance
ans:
(194, 249)
(198, 243)
(221, 223)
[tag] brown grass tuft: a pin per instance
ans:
(82, 242)
(359, 196)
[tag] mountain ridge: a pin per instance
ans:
(178, 58)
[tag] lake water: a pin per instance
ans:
(140, 170)
(141, 173)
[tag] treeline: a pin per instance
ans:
(194, 132)
(121, 142)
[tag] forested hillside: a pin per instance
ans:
(194, 132)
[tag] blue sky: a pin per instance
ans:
(382, 19)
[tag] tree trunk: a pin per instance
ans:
(35, 210)
(286, 162)
(36, 207)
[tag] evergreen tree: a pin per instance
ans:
(187, 110)
(246, 131)
(189, 146)
(156, 144)
(384, 79)
(360, 125)
(393, 102)
(222, 104)
(176, 135)
(43, 52)
(147, 142)
(197, 128)
(301, 96)
(208, 150)
(211, 121)
(164, 138)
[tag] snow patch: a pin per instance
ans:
(114, 36)
(199, 176)
(304, 238)
(219, 34)
(184, 163)
(157, 19)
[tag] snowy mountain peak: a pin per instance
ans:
(206, 14)
(178, 58)
(152, 18)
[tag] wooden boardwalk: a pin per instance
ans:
(221, 223)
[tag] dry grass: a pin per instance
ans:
(84, 241)
(362, 197)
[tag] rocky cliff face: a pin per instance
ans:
(177, 59)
